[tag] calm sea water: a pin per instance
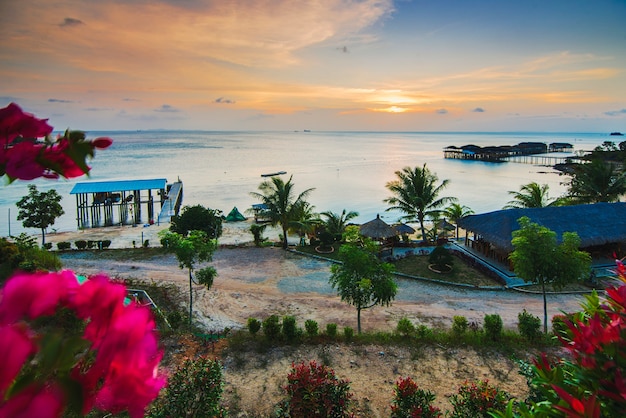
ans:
(347, 169)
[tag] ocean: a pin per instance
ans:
(348, 170)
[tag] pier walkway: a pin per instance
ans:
(171, 205)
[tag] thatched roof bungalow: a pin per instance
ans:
(596, 224)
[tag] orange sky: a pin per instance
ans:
(323, 65)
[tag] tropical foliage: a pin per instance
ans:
(597, 181)
(537, 258)
(362, 280)
(416, 193)
(336, 223)
(198, 218)
(282, 206)
(531, 195)
(39, 209)
(456, 211)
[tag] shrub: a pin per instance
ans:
(91, 244)
(290, 330)
(459, 325)
(47, 246)
(529, 326)
(348, 333)
(331, 330)
(405, 327)
(64, 245)
(559, 324)
(81, 244)
(441, 258)
(175, 319)
(254, 325)
(311, 327)
(106, 243)
(314, 391)
(146, 243)
(423, 331)
(195, 389)
(493, 327)
(271, 327)
(476, 399)
(410, 401)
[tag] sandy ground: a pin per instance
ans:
(258, 282)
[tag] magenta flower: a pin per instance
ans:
(16, 123)
(35, 401)
(16, 347)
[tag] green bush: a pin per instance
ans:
(146, 243)
(81, 244)
(441, 257)
(194, 390)
(311, 327)
(47, 246)
(254, 325)
(314, 391)
(106, 243)
(175, 319)
(405, 327)
(559, 324)
(459, 325)
(91, 244)
(423, 331)
(64, 245)
(476, 399)
(331, 330)
(271, 327)
(528, 325)
(348, 333)
(493, 327)
(410, 401)
(290, 330)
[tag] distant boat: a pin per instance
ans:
(616, 134)
(307, 130)
(278, 173)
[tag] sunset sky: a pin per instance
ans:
(404, 65)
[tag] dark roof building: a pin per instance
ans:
(596, 224)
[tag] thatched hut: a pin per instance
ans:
(379, 230)
(597, 225)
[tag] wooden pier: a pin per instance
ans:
(525, 152)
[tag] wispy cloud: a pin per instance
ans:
(620, 112)
(167, 109)
(442, 111)
(70, 21)
(478, 110)
(225, 101)
(60, 101)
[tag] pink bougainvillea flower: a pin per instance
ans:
(56, 158)
(102, 142)
(16, 123)
(35, 401)
(32, 295)
(15, 347)
(22, 161)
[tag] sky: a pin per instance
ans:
(358, 65)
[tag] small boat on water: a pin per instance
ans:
(616, 134)
(278, 173)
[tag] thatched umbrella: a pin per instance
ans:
(445, 225)
(377, 229)
(404, 229)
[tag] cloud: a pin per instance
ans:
(128, 99)
(615, 112)
(59, 101)
(223, 100)
(97, 109)
(442, 111)
(478, 110)
(70, 21)
(167, 109)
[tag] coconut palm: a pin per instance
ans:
(336, 222)
(416, 193)
(281, 205)
(597, 181)
(456, 211)
(305, 220)
(531, 195)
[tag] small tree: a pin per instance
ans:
(197, 247)
(39, 209)
(411, 401)
(198, 218)
(538, 258)
(362, 280)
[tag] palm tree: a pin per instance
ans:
(597, 181)
(305, 220)
(282, 207)
(456, 211)
(336, 223)
(531, 195)
(416, 193)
